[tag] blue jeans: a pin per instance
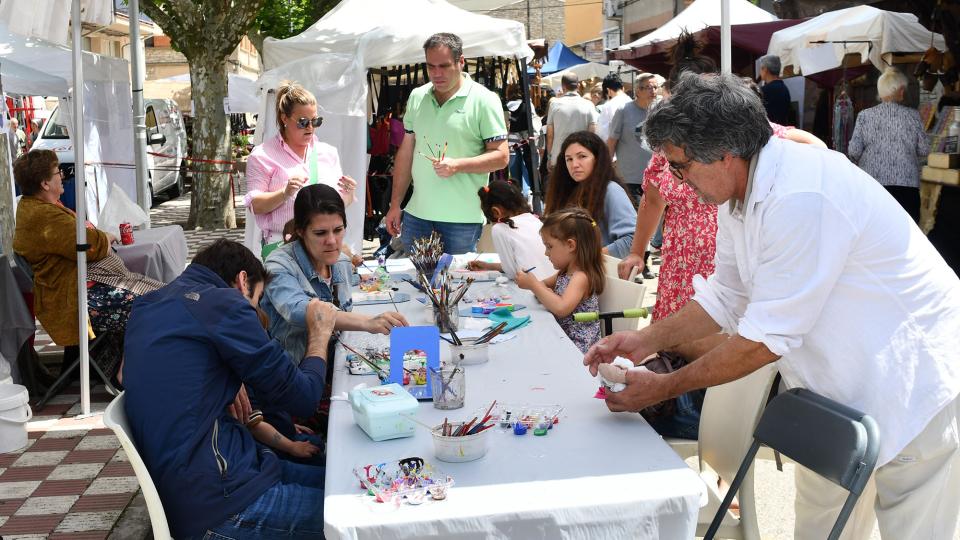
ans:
(518, 167)
(685, 422)
(457, 238)
(292, 508)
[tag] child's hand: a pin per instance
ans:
(478, 265)
(302, 449)
(525, 280)
(303, 429)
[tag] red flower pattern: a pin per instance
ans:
(689, 235)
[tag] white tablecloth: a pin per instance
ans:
(159, 253)
(595, 475)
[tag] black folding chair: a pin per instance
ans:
(830, 439)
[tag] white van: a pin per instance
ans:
(166, 145)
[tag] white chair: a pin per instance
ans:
(485, 243)
(619, 295)
(115, 418)
(610, 265)
(730, 414)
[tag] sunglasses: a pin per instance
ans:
(316, 121)
(678, 168)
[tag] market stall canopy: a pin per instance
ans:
(35, 67)
(391, 33)
(872, 33)
(698, 15)
(559, 58)
(332, 59)
(583, 72)
(749, 41)
(51, 20)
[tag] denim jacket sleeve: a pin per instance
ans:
(286, 293)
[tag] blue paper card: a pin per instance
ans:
(408, 338)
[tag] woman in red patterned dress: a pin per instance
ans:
(690, 225)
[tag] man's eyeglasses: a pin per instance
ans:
(652, 87)
(678, 168)
(317, 121)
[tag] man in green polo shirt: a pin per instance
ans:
(455, 137)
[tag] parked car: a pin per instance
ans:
(166, 147)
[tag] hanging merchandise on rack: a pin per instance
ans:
(843, 121)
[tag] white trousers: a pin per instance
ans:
(914, 496)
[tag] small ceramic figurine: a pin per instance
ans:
(613, 376)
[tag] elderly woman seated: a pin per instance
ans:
(46, 238)
(889, 141)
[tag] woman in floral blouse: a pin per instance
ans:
(690, 225)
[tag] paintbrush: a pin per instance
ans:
(492, 333)
(367, 360)
(375, 367)
(432, 160)
(415, 421)
(463, 291)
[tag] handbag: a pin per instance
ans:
(687, 405)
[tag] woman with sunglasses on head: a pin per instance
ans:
(291, 159)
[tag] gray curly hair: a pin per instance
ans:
(708, 116)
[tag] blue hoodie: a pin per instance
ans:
(188, 347)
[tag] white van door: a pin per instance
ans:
(164, 175)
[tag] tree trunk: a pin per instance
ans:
(211, 203)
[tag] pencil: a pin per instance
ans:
(531, 269)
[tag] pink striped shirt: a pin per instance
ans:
(272, 163)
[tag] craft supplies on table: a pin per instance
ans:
(382, 411)
(449, 387)
(477, 275)
(472, 351)
(410, 480)
(462, 448)
(362, 298)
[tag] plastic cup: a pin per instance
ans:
(470, 352)
(448, 323)
(449, 387)
(460, 449)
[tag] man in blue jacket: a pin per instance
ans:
(189, 347)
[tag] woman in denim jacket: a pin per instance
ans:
(309, 265)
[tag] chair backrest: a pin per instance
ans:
(610, 264)
(115, 418)
(829, 438)
(485, 243)
(730, 413)
(619, 295)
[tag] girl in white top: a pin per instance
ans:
(516, 232)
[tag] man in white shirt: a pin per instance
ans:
(820, 270)
(568, 114)
(616, 99)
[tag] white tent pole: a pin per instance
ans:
(80, 183)
(725, 62)
(139, 115)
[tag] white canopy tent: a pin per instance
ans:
(701, 14)
(583, 72)
(96, 122)
(332, 57)
(820, 43)
(38, 68)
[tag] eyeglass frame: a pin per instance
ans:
(303, 122)
(653, 87)
(678, 168)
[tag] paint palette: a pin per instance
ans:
(411, 480)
